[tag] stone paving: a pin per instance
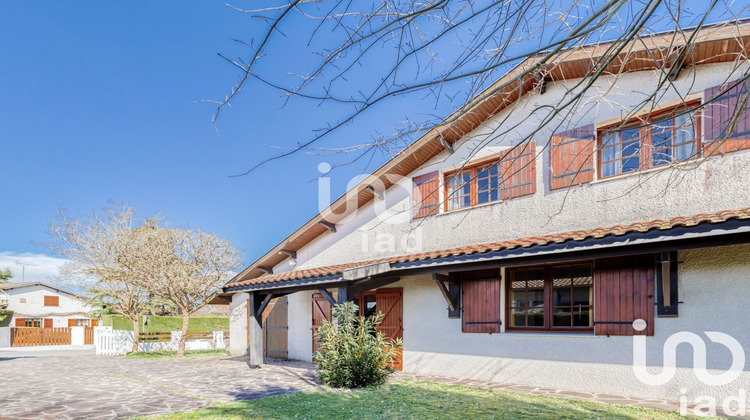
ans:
(107, 387)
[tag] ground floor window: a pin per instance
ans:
(33, 322)
(552, 298)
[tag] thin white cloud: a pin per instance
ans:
(39, 267)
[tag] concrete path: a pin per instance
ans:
(107, 387)
(45, 351)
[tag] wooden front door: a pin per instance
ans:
(388, 301)
(276, 327)
(321, 311)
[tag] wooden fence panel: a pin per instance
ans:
(31, 336)
(88, 336)
(155, 336)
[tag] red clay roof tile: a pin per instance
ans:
(578, 235)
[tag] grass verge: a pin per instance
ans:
(418, 400)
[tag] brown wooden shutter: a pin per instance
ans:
(481, 305)
(94, 323)
(572, 157)
(425, 196)
(321, 312)
(518, 172)
(47, 323)
(623, 292)
(71, 322)
(52, 301)
(20, 322)
(718, 116)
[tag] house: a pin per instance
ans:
(559, 250)
(36, 304)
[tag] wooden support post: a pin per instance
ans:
(446, 145)
(267, 270)
(328, 296)
(254, 331)
(667, 293)
(263, 305)
(329, 226)
(346, 294)
(451, 291)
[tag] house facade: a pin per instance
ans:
(561, 249)
(36, 304)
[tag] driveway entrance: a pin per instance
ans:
(108, 387)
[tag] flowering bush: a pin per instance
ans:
(352, 353)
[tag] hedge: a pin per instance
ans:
(168, 323)
(5, 316)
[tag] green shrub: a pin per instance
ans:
(5, 316)
(168, 323)
(352, 354)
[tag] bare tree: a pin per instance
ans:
(450, 53)
(184, 267)
(102, 249)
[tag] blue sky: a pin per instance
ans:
(98, 104)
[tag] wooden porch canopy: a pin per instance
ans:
(698, 231)
(656, 236)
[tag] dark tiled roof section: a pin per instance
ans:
(578, 235)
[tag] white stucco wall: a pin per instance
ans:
(713, 284)
(70, 307)
(714, 185)
(238, 324)
(300, 326)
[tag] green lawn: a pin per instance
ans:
(165, 354)
(418, 400)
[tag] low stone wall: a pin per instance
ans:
(117, 342)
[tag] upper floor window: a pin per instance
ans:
(654, 141)
(512, 174)
(474, 186)
(52, 301)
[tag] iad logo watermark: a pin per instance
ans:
(705, 405)
(385, 228)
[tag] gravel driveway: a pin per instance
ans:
(94, 387)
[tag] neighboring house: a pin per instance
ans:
(537, 278)
(36, 304)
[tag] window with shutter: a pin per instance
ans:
(551, 299)
(52, 301)
(572, 157)
(648, 141)
(481, 305)
(47, 322)
(425, 195)
(20, 322)
(727, 118)
(511, 174)
(624, 293)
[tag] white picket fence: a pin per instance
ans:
(116, 342)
